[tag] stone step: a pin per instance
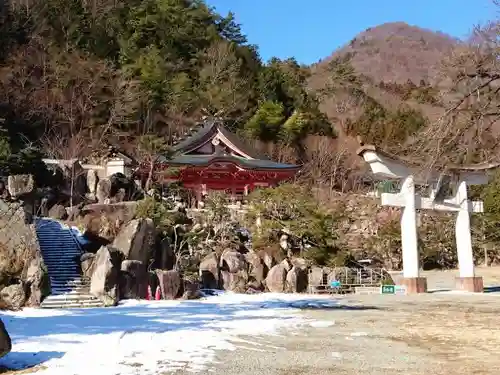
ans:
(60, 304)
(58, 255)
(63, 273)
(66, 282)
(62, 260)
(56, 268)
(60, 250)
(67, 297)
(83, 305)
(49, 238)
(57, 245)
(54, 241)
(70, 288)
(73, 293)
(64, 264)
(54, 247)
(64, 278)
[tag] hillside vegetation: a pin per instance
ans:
(121, 69)
(74, 74)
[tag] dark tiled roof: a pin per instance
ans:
(209, 130)
(203, 160)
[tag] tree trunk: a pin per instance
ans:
(150, 177)
(71, 187)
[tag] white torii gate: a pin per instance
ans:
(385, 165)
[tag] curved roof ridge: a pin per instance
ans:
(450, 167)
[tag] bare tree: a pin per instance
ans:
(69, 151)
(223, 90)
(327, 167)
(468, 130)
(150, 150)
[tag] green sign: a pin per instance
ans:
(388, 289)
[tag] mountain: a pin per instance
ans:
(382, 85)
(396, 52)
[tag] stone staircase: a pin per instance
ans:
(61, 254)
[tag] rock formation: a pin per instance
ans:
(103, 191)
(92, 180)
(136, 240)
(104, 283)
(133, 280)
(21, 263)
(5, 342)
(170, 283)
(209, 272)
(19, 185)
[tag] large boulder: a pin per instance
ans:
(257, 269)
(58, 212)
(87, 262)
(36, 281)
(232, 261)
(136, 240)
(133, 280)
(210, 272)
(103, 191)
(235, 281)
(13, 297)
(5, 342)
(276, 278)
(165, 256)
(92, 180)
(191, 289)
(19, 185)
(104, 283)
(234, 271)
(296, 280)
(20, 256)
(271, 255)
(316, 276)
(170, 283)
(127, 186)
(4, 192)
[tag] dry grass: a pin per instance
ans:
(31, 370)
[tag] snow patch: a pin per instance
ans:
(322, 324)
(150, 337)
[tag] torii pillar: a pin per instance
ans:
(388, 166)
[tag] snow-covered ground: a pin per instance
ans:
(149, 337)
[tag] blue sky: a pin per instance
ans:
(311, 30)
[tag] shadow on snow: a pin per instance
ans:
(147, 317)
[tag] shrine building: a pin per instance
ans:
(213, 158)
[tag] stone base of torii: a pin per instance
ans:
(388, 166)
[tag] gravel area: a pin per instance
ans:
(439, 333)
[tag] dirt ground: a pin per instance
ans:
(437, 333)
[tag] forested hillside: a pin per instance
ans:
(75, 73)
(121, 69)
